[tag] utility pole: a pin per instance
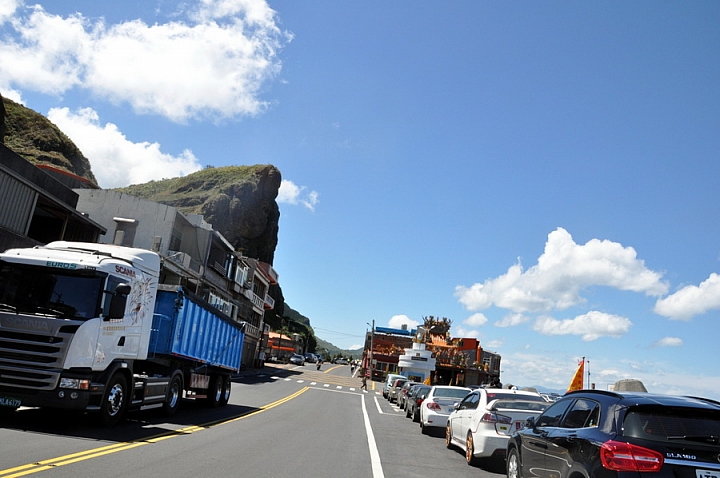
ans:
(372, 344)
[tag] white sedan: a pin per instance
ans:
(438, 404)
(483, 421)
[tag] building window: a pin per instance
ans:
(124, 231)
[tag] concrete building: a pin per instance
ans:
(37, 208)
(193, 254)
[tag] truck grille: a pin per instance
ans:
(33, 361)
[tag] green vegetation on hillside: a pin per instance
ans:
(35, 138)
(193, 189)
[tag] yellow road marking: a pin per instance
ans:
(43, 465)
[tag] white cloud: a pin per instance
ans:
(668, 342)
(512, 319)
(476, 320)
(590, 326)
(7, 9)
(555, 372)
(493, 344)
(691, 300)
(290, 193)
(462, 331)
(397, 321)
(213, 65)
(115, 160)
(562, 272)
(356, 347)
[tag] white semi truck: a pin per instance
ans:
(87, 327)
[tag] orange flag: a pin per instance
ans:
(577, 380)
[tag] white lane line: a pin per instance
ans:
(372, 446)
(377, 404)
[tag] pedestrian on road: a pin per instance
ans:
(364, 382)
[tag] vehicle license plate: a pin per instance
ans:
(503, 428)
(10, 402)
(707, 474)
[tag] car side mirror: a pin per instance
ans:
(530, 422)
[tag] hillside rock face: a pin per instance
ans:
(239, 201)
(2, 121)
(35, 138)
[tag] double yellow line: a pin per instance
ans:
(43, 465)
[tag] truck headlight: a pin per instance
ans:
(74, 383)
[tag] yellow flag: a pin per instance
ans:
(427, 381)
(577, 380)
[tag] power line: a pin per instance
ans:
(342, 334)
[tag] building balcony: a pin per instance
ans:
(269, 302)
(252, 331)
(257, 302)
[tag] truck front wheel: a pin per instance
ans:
(112, 406)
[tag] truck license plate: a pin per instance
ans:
(707, 474)
(10, 402)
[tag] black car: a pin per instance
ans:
(595, 433)
(416, 395)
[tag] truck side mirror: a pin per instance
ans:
(118, 302)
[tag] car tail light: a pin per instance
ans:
(433, 406)
(620, 456)
(492, 417)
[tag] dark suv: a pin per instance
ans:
(594, 433)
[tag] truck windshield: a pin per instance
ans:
(49, 291)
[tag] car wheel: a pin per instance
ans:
(470, 450)
(423, 429)
(448, 436)
(513, 464)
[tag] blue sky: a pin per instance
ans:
(544, 174)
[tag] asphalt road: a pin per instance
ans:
(288, 421)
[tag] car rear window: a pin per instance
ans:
(442, 392)
(521, 405)
(673, 425)
(514, 396)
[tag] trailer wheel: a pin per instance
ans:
(227, 388)
(215, 391)
(112, 406)
(174, 396)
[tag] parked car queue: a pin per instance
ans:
(583, 434)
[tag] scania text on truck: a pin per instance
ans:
(87, 327)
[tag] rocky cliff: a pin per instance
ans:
(239, 201)
(35, 138)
